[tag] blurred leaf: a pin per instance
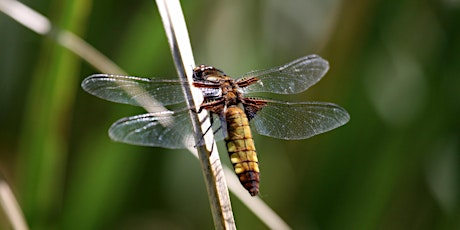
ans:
(43, 145)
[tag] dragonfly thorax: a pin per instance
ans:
(219, 90)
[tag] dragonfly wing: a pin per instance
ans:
(293, 121)
(294, 77)
(134, 90)
(166, 129)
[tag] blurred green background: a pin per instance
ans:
(395, 66)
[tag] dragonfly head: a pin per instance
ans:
(203, 73)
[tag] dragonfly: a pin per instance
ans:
(233, 107)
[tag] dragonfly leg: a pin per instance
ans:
(211, 121)
(201, 141)
(212, 149)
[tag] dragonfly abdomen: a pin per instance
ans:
(241, 149)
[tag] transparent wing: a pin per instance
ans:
(167, 129)
(134, 90)
(294, 77)
(293, 121)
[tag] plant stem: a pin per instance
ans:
(176, 31)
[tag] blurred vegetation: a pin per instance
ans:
(394, 66)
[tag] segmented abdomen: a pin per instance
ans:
(241, 149)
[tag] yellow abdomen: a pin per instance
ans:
(241, 149)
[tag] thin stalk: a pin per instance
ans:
(11, 207)
(176, 31)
